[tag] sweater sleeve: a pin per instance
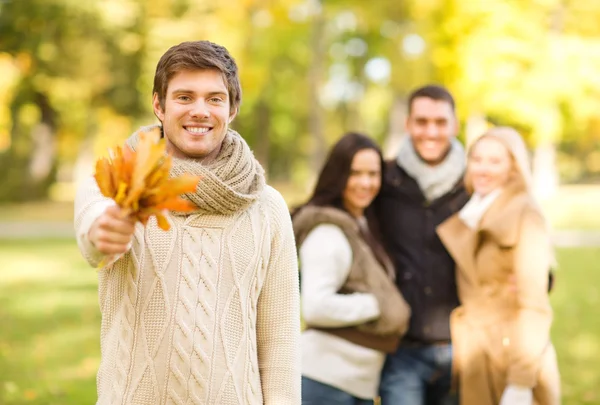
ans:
(531, 333)
(325, 259)
(89, 205)
(278, 313)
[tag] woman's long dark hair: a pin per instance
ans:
(332, 181)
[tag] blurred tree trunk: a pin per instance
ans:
(476, 125)
(315, 78)
(43, 134)
(397, 118)
(263, 124)
(545, 174)
(84, 165)
(545, 171)
(28, 168)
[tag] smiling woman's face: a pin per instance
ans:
(364, 181)
(489, 166)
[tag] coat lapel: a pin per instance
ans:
(461, 242)
(499, 222)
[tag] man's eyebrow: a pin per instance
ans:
(218, 93)
(182, 91)
(212, 93)
(435, 118)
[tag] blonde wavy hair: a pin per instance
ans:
(517, 150)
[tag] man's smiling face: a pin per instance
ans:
(196, 113)
(431, 125)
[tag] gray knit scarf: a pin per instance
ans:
(434, 181)
(229, 183)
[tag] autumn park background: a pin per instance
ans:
(76, 78)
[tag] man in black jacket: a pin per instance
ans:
(422, 188)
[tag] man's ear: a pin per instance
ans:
(232, 115)
(158, 110)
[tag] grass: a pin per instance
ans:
(49, 348)
(576, 330)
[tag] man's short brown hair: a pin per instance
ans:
(434, 92)
(197, 55)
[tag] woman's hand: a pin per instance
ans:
(517, 395)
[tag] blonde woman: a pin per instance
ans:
(502, 349)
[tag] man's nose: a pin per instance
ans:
(431, 130)
(200, 109)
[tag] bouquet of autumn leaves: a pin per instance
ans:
(139, 182)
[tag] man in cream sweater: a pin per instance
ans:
(207, 312)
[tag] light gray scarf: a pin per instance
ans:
(434, 181)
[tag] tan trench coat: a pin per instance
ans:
(501, 336)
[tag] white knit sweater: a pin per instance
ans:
(205, 313)
(326, 258)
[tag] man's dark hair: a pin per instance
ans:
(431, 91)
(197, 55)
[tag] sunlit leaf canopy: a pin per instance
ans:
(76, 76)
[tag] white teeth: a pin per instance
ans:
(197, 130)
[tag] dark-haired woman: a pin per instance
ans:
(353, 311)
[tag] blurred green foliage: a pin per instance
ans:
(76, 76)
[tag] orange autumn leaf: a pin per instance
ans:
(162, 222)
(128, 161)
(179, 185)
(176, 204)
(104, 178)
(140, 183)
(160, 173)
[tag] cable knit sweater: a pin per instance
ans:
(207, 312)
